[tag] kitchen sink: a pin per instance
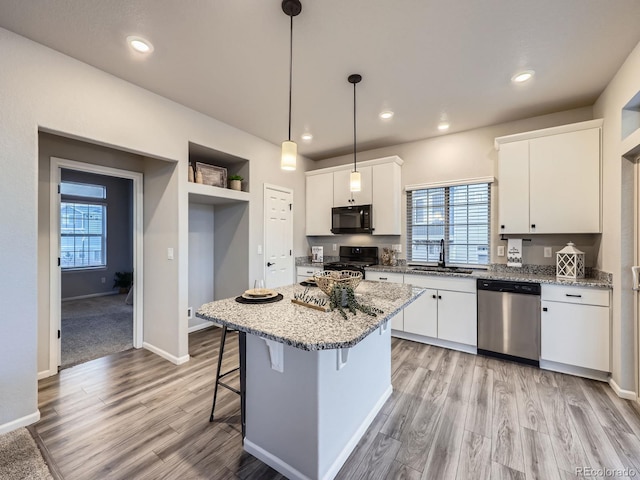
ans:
(426, 268)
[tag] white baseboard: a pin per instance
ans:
(46, 373)
(20, 422)
(293, 474)
(166, 355)
(626, 394)
(435, 341)
(201, 326)
(91, 295)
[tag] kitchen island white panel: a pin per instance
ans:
(305, 421)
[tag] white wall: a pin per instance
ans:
(618, 243)
(43, 89)
(469, 154)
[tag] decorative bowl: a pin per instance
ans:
(326, 280)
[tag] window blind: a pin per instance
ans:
(460, 215)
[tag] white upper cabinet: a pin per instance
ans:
(381, 188)
(342, 195)
(549, 180)
(319, 200)
(387, 197)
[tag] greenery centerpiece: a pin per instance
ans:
(235, 182)
(343, 297)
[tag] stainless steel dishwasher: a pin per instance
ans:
(509, 320)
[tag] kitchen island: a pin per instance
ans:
(314, 381)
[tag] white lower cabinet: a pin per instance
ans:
(447, 310)
(384, 277)
(575, 326)
(302, 273)
(421, 316)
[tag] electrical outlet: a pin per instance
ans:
(501, 250)
(335, 247)
(190, 312)
(103, 280)
(397, 248)
(259, 249)
(169, 253)
(547, 252)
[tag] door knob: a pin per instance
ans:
(269, 264)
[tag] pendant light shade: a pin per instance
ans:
(289, 154)
(355, 182)
(291, 8)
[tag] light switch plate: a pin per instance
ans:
(259, 249)
(169, 253)
(335, 247)
(547, 252)
(397, 247)
(501, 250)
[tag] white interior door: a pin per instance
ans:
(278, 236)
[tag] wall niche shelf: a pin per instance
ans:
(630, 120)
(234, 165)
(218, 249)
(208, 195)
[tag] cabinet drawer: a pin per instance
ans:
(307, 271)
(437, 282)
(579, 295)
(384, 277)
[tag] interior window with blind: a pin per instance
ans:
(459, 215)
(83, 223)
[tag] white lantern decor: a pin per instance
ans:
(570, 262)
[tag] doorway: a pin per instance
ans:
(278, 236)
(88, 253)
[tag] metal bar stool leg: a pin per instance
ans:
(223, 337)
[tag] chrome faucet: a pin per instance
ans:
(441, 262)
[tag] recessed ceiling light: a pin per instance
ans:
(443, 126)
(306, 136)
(386, 115)
(139, 44)
(522, 77)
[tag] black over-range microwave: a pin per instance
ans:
(352, 219)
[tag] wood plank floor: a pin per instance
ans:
(452, 415)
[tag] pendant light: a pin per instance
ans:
(289, 149)
(355, 182)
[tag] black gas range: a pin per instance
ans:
(354, 258)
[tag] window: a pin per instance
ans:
(459, 215)
(83, 234)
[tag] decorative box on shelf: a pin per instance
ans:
(570, 262)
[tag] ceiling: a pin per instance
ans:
(426, 60)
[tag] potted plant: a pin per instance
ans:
(235, 182)
(123, 280)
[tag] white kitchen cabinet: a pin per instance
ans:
(303, 273)
(421, 316)
(384, 276)
(386, 198)
(549, 180)
(342, 194)
(513, 184)
(381, 188)
(319, 201)
(575, 326)
(447, 310)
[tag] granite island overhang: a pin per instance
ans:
(314, 381)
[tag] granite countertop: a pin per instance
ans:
(306, 328)
(488, 274)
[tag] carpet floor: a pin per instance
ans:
(95, 327)
(20, 458)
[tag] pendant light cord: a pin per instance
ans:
(354, 128)
(290, 72)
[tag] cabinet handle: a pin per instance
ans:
(533, 225)
(572, 295)
(544, 309)
(382, 278)
(269, 264)
(434, 296)
(501, 226)
(309, 271)
(439, 297)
